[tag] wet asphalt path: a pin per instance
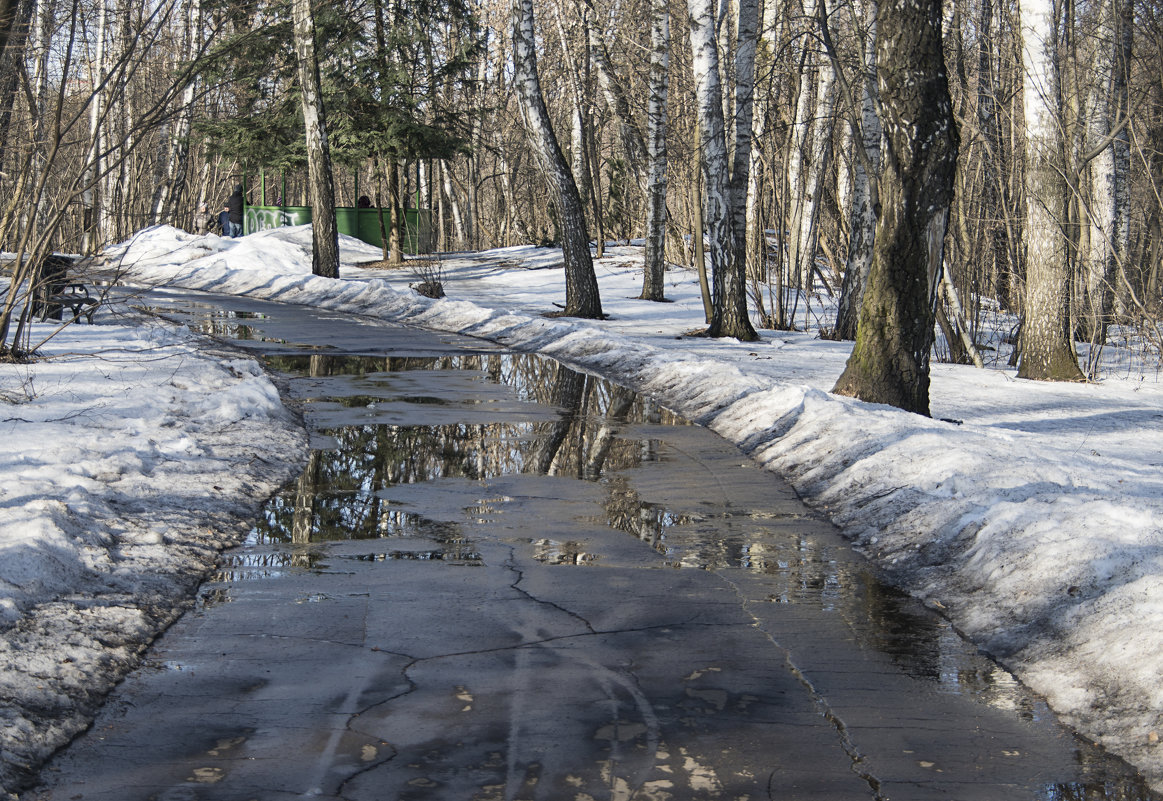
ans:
(498, 579)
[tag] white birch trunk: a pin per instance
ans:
(631, 136)
(767, 46)
(819, 159)
(656, 125)
(729, 301)
(862, 210)
(799, 160)
(1110, 218)
(458, 229)
(171, 166)
(122, 132)
(747, 28)
(1047, 352)
(581, 283)
(712, 140)
(91, 179)
(579, 162)
(45, 24)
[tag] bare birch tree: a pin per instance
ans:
(1111, 213)
(1047, 351)
(581, 283)
(729, 295)
(862, 201)
(653, 287)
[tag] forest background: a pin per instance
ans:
(118, 115)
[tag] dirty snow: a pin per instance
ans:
(1030, 514)
(128, 459)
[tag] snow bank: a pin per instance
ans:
(1033, 522)
(123, 472)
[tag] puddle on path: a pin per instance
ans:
(433, 456)
(528, 419)
(236, 325)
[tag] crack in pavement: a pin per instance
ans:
(818, 700)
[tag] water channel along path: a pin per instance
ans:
(498, 578)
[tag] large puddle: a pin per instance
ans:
(427, 457)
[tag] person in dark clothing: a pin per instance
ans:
(364, 202)
(234, 207)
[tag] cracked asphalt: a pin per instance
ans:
(655, 619)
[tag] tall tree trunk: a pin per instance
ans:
(890, 360)
(90, 200)
(729, 293)
(799, 156)
(994, 164)
(1047, 351)
(581, 283)
(653, 285)
(174, 148)
(395, 241)
(581, 139)
(16, 17)
(459, 231)
(633, 142)
(1110, 242)
(320, 189)
(747, 38)
(862, 207)
(819, 168)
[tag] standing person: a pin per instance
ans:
(203, 221)
(234, 207)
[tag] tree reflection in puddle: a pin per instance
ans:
(342, 493)
(217, 322)
(568, 552)
(479, 435)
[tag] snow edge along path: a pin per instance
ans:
(132, 464)
(934, 531)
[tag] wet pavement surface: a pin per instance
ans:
(501, 579)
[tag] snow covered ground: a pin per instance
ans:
(128, 459)
(1035, 521)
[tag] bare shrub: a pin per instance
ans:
(429, 274)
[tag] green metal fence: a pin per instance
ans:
(363, 224)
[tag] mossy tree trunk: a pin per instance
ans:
(890, 360)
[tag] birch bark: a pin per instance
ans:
(747, 38)
(171, 166)
(656, 125)
(729, 298)
(1110, 242)
(1047, 351)
(799, 159)
(862, 210)
(633, 141)
(581, 283)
